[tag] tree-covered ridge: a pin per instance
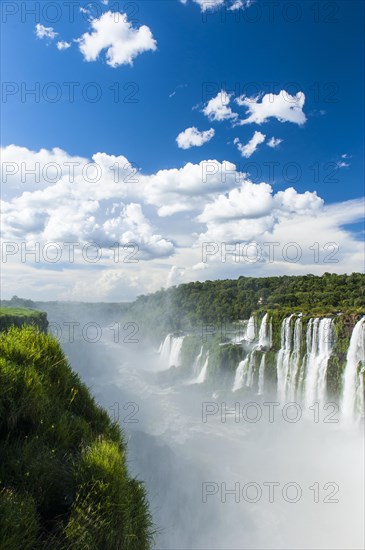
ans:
(64, 482)
(230, 300)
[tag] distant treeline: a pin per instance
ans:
(229, 300)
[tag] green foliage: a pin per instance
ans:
(19, 524)
(19, 316)
(189, 351)
(196, 304)
(61, 456)
(223, 361)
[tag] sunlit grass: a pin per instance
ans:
(63, 469)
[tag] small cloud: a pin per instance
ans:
(45, 32)
(342, 163)
(200, 266)
(176, 89)
(63, 45)
(240, 5)
(283, 106)
(192, 137)
(218, 109)
(231, 5)
(250, 147)
(274, 142)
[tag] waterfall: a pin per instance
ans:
(165, 350)
(250, 372)
(245, 372)
(319, 349)
(246, 369)
(197, 362)
(203, 373)
(264, 333)
(283, 357)
(352, 400)
(251, 330)
(241, 372)
(171, 350)
(261, 381)
(175, 351)
(294, 362)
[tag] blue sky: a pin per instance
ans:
(310, 48)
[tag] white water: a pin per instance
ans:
(320, 343)
(245, 371)
(264, 333)
(197, 362)
(203, 373)
(284, 357)
(352, 401)
(294, 362)
(261, 382)
(251, 330)
(240, 375)
(306, 380)
(170, 353)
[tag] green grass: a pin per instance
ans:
(63, 477)
(18, 311)
(19, 316)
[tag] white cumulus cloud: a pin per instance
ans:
(274, 142)
(63, 45)
(283, 106)
(115, 34)
(168, 214)
(45, 32)
(218, 107)
(250, 147)
(192, 137)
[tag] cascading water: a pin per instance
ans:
(261, 381)
(197, 362)
(283, 357)
(264, 332)
(320, 344)
(251, 330)
(246, 369)
(298, 376)
(171, 351)
(175, 352)
(240, 376)
(203, 373)
(165, 350)
(294, 362)
(352, 400)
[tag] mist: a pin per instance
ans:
(215, 478)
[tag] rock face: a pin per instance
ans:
(19, 317)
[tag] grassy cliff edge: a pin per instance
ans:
(63, 476)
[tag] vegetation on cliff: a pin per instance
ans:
(194, 304)
(64, 483)
(19, 316)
